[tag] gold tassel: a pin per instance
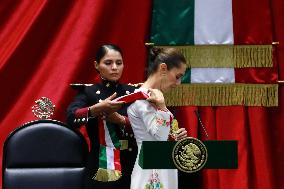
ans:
(107, 175)
(227, 56)
(173, 130)
(223, 95)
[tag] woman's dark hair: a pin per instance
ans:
(102, 50)
(172, 57)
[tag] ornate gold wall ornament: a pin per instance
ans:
(43, 108)
(189, 155)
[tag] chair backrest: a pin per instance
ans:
(44, 154)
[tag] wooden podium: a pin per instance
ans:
(222, 154)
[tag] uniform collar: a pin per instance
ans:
(109, 84)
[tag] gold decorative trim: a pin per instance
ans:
(80, 86)
(227, 56)
(107, 175)
(223, 95)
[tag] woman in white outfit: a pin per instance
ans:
(151, 120)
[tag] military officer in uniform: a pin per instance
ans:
(94, 102)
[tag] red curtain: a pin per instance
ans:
(46, 45)
(253, 127)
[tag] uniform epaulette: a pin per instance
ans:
(135, 84)
(80, 86)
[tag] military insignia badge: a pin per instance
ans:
(189, 155)
(43, 108)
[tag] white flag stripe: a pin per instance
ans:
(213, 24)
(212, 75)
(110, 158)
(107, 136)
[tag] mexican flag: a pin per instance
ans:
(236, 70)
(226, 96)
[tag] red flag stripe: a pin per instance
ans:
(116, 154)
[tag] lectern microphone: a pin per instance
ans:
(200, 122)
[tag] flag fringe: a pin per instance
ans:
(227, 56)
(107, 175)
(223, 95)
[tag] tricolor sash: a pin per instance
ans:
(110, 146)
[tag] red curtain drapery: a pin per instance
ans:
(249, 125)
(46, 45)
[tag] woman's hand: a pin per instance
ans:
(105, 107)
(181, 133)
(157, 98)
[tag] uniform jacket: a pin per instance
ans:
(78, 116)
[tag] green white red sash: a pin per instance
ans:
(109, 155)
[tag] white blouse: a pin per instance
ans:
(150, 124)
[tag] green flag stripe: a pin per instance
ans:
(113, 136)
(186, 77)
(172, 23)
(102, 157)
